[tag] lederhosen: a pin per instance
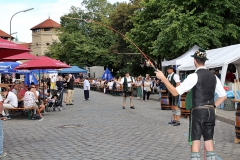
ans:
(202, 117)
(127, 91)
(173, 100)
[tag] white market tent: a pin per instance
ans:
(219, 57)
(183, 58)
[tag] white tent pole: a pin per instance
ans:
(223, 73)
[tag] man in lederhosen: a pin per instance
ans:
(128, 83)
(173, 100)
(203, 84)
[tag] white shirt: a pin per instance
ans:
(86, 85)
(11, 99)
(1, 99)
(110, 85)
(191, 81)
(53, 79)
(175, 78)
(129, 79)
(147, 85)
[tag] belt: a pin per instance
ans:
(205, 106)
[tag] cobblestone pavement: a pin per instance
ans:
(99, 129)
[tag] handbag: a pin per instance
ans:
(149, 89)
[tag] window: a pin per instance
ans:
(47, 29)
(36, 30)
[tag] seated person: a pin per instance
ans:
(110, 85)
(52, 101)
(31, 100)
(22, 92)
(11, 101)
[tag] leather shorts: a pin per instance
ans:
(203, 123)
(173, 100)
(126, 94)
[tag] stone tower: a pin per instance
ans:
(43, 35)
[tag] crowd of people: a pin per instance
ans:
(201, 92)
(37, 96)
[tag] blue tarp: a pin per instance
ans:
(73, 69)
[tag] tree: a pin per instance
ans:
(209, 24)
(81, 43)
(146, 28)
(167, 29)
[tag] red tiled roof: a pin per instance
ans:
(4, 34)
(49, 23)
(26, 45)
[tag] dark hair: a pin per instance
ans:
(32, 83)
(4, 89)
(200, 61)
(29, 88)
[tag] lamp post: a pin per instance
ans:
(13, 16)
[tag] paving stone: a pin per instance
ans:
(101, 129)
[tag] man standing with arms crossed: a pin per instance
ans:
(173, 100)
(203, 84)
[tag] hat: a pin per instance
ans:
(169, 67)
(200, 54)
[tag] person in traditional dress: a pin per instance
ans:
(138, 84)
(128, 82)
(173, 100)
(203, 85)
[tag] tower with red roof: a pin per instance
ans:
(43, 36)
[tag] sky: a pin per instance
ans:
(24, 21)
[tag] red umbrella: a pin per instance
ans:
(8, 48)
(22, 56)
(43, 63)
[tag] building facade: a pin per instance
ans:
(43, 36)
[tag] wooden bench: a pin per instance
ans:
(20, 108)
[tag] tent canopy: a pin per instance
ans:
(219, 57)
(183, 58)
(73, 69)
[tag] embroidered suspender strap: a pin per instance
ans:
(188, 100)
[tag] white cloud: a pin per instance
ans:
(22, 22)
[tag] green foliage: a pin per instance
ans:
(167, 29)
(83, 44)
(209, 24)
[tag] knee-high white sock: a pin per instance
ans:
(210, 155)
(195, 156)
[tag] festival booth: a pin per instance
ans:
(221, 57)
(73, 69)
(183, 58)
(176, 62)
